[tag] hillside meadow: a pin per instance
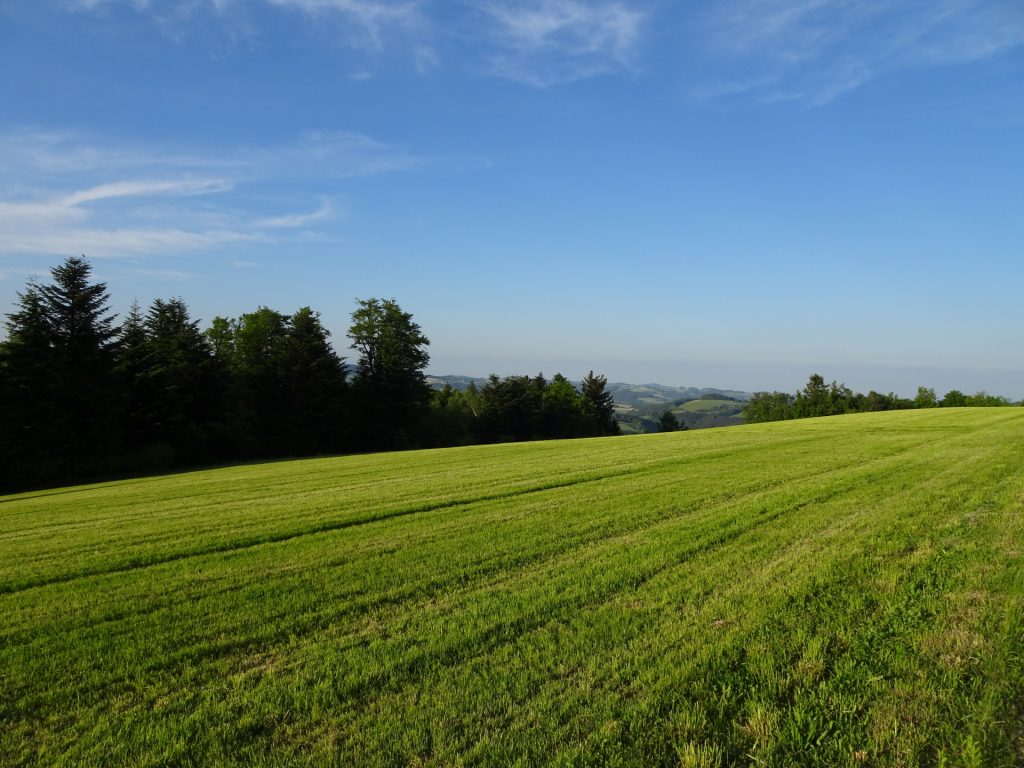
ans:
(828, 592)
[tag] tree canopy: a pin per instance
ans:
(57, 366)
(668, 422)
(820, 399)
(390, 385)
(82, 397)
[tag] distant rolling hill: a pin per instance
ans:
(659, 395)
(638, 406)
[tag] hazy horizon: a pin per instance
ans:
(779, 377)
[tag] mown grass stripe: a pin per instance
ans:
(789, 594)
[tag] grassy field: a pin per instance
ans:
(832, 592)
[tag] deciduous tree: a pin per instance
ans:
(953, 399)
(390, 383)
(925, 398)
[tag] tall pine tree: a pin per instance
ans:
(314, 378)
(134, 401)
(181, 383)
(57, 369)
(600, 404)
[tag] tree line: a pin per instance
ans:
(820, 399)
(517, 408)
(82, 396)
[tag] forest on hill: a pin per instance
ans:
(641, 408)
(820, 399)
(82, 396)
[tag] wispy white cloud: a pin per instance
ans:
(373, 20)
(815, 51)
(61, 225)
(164, 274)
(55, 152)
(336, 154)
(89, 5)
(38, 213)
(65, 194)
(297, 220)
(146, 189)
(107, 243)
(368, 25)
(33, 226)
(538, 42)
(545, 42)
(324, 154)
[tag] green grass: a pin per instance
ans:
(831, 592)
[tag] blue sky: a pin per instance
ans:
(729, 193)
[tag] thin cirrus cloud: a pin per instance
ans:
(66, 195)
(535, 42)
(815, 51)
(67, 224)
(548, 42)
(808, 51)
(105, 243)
(336, 154)
(62, 224)
(298, 220)
(55, 153)
(371, 27)
(117, 189)
(372, 21)
(327, 154)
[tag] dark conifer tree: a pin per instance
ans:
(512, 408)
(600, 404)
(59, 360)
(288, 387)
(813, 399)
(181, 384)
(314, 379)
(27, 409)
(134, 398)
(84, 340)
(80, 321)
(668, 422)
